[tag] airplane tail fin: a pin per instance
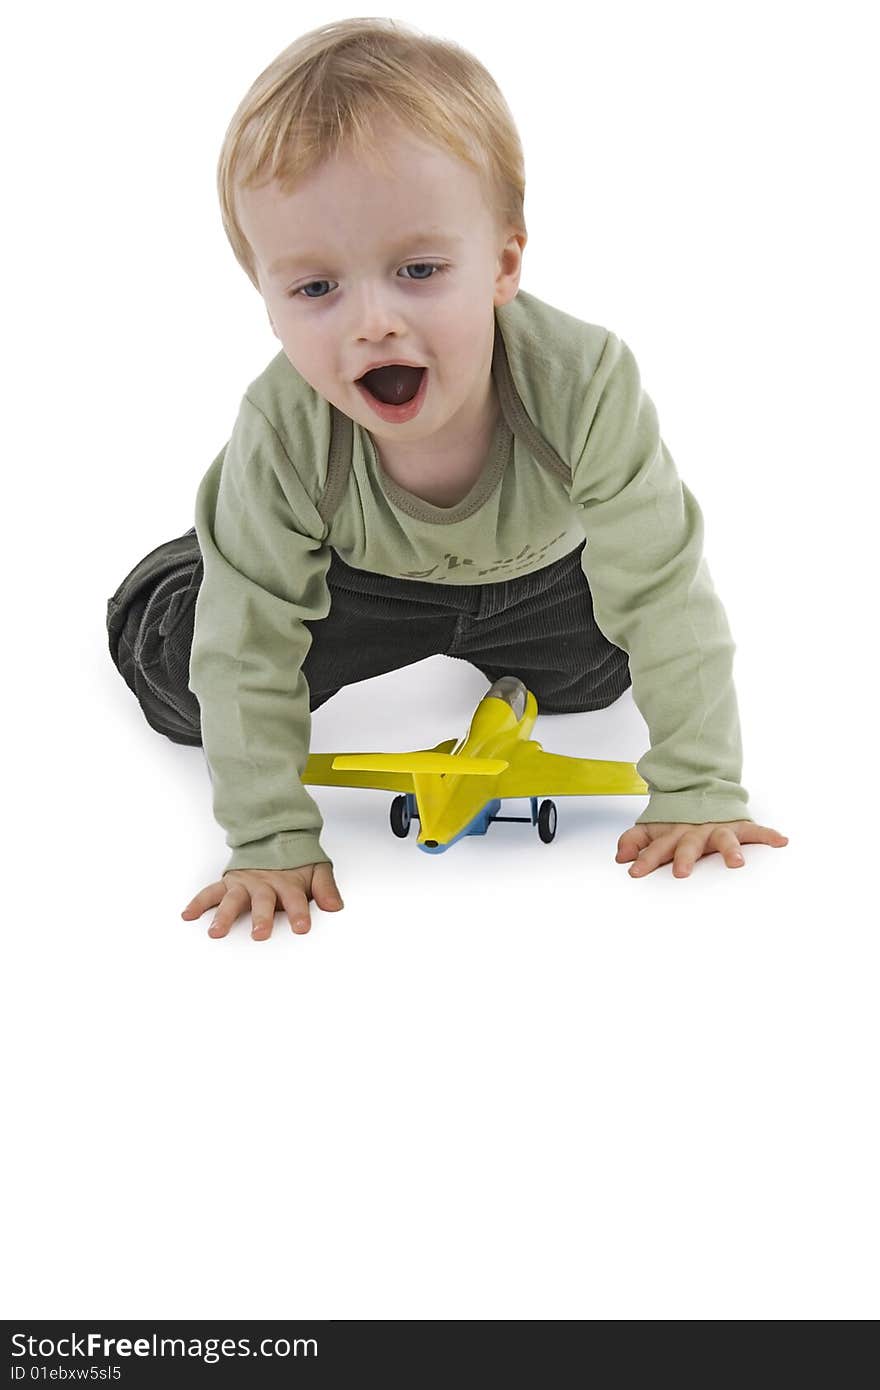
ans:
(440, 763)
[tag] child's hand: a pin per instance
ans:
(656, 842)
(260, 888)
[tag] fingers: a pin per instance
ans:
(631, 842)
(752, 834)
(262, 912)
(234, 901)
(684, 846)
(296, 905)
(208, 897)
(324, 890)
(655, 853)
(292, 888)
(691, 847)
(685, 849)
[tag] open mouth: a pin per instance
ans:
(404, 391)
(394, 384)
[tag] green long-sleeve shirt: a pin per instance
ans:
(577, 452)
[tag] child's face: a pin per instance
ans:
(353, 233)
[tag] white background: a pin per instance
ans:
(509, 1081)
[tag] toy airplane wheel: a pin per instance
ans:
(400, 817)
(547, 821)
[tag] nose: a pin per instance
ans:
(374, 313)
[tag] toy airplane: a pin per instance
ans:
(456, 788)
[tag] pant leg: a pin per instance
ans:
(149, 629)
(376, 623)
(541, 627)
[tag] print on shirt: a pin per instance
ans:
(526, 557)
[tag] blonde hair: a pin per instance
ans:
(328, 90)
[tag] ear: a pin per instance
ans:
(509, 268)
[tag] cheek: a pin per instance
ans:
(309, 351)
(451, 333)
(461, 347)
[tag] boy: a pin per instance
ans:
(365, 515)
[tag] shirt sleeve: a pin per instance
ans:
(653, 596)
(265, 567)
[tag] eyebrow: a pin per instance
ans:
(286, 263)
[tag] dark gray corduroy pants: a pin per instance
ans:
(537, 626)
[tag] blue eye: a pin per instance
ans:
(415, 265)
(422, 265)
(302, 290)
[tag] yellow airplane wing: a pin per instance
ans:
(533, 772)
(320, 772)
